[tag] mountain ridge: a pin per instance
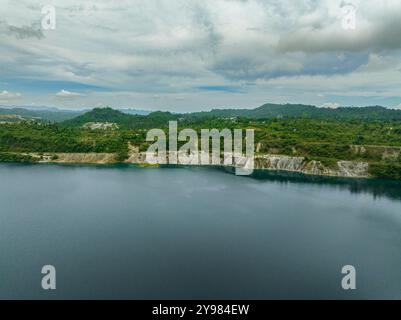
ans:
(266, 111)
(131, 117)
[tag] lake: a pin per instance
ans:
(123, 232)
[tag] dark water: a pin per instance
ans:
(125, 232)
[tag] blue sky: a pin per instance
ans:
(186, 55)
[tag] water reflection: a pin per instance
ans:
(376, 187)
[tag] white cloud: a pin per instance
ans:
(330, 105)
(67, 94)
(396, 107)
(379, 63)
(5, 96)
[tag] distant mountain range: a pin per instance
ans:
(53, 114)
(132, 117)
(50, 114)
(31, 107)
(268, 111)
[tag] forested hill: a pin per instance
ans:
(159, 118)
(268, 111)
(125, 120)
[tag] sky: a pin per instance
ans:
(189, 55)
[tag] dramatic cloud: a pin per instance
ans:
(377, 27)
(23, 32)
(199, 54)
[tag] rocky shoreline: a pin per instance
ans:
(272, 162)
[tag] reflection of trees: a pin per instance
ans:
(376, 187)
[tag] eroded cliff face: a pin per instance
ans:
(280, 162)
(84, 158)
(352, 169)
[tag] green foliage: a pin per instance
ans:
(33, 137)
(385, 170)
(326, 150)
(288, 111)
(16, 157)
(123, 120)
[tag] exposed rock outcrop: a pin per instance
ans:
(95, 158)
(352, 169)
(100, 125)
(299, 164)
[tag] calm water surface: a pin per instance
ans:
(195, 233)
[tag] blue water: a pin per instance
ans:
(195, 233)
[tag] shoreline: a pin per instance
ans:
(268, 162)
(319, 167)
(281, 165)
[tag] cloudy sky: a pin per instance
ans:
(185, 55)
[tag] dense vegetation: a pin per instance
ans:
(123, 120)
(16, 157)
(313, 136)
(268, 111)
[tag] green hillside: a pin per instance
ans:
(159, 118)
(269, 110)
(265, 112)
(123, 120)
